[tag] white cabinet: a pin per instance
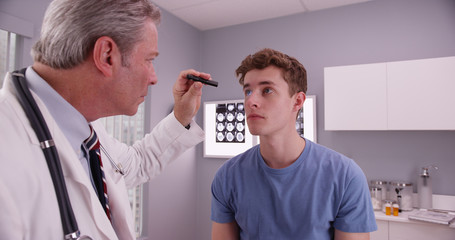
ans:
(383, 231)
(420, 231)
(421, 94)
(355, 97)
(406, 95)
(401, 228)
(396, 230)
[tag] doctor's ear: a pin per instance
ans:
(105, 52)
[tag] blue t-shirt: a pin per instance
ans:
(320, 191)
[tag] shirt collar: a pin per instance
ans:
(73, 125)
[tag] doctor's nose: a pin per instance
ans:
(153, 78)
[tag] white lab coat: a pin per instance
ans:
(28, 206)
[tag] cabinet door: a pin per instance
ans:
(421, 94)
(355, 97)
(383, 231)
(420, 231)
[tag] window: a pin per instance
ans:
(7, 53)
(128, 130)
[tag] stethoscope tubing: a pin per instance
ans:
(41, 129)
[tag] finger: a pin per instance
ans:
(204, 76)
(197, 74)
(196, 89)
(183, 83)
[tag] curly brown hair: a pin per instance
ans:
(293, 71)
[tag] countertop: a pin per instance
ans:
(403, 217)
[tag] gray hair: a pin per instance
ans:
(71, 28)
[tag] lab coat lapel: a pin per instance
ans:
(80, 190)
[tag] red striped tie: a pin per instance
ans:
(96, 166)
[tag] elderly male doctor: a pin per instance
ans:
(93, 59)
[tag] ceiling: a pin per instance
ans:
(211, 14)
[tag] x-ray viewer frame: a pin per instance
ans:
(216, 149)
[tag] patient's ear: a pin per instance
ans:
(105, 52)
(299, 100)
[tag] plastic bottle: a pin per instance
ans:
(396, 209)
(425, 189)
(388, 209)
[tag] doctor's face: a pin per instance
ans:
(133, 80)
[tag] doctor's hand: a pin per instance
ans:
(187, 96)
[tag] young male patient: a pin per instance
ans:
(287, 187)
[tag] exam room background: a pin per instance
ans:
(178, 201)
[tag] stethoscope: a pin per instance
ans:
(118, 167)
(69, 224)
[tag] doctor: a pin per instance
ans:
(93, 59)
